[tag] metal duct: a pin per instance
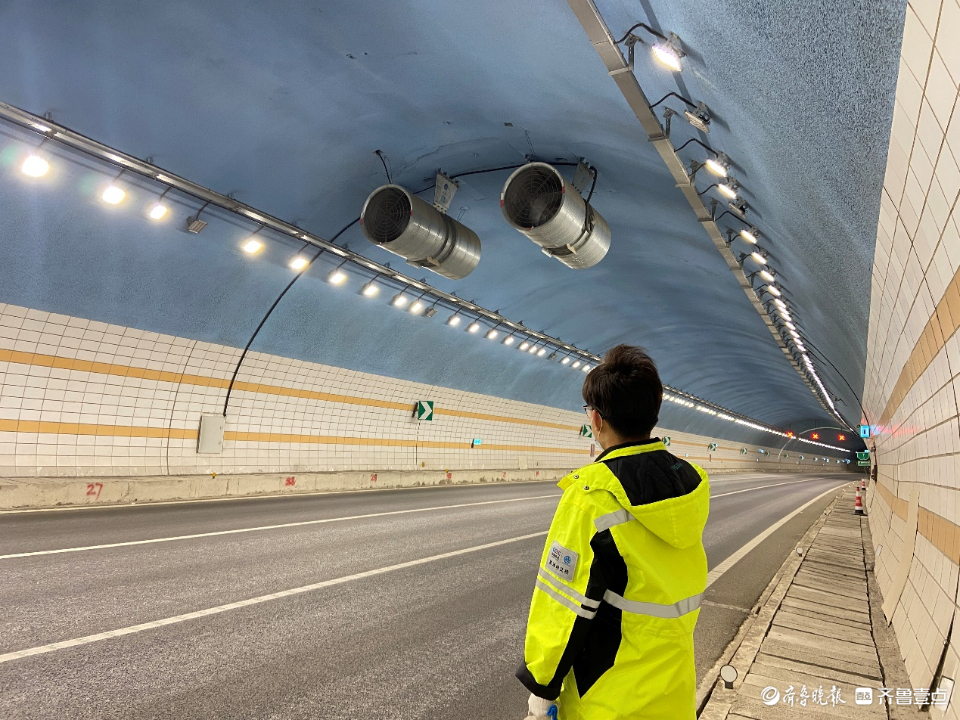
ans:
(400, 222)
(541, 204)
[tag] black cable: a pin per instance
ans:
(276, 302)
(645, 27)
(676, 95)
(845, 382)
(698, 142)
(379, 154)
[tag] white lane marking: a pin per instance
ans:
(237, 531)
(132, 629)
(720, 569)
(761, 487)
(269, 496)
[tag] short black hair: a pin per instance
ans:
(625, 389)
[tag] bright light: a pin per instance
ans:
(473, 328)
(370, 289)
(815, 436)
(780, 303)
(492, 335)
(417, 307)
(453, 320)
(399, 300)
(158, 211)
(541, 352)
(749, 235)
(565, 361)
(791, 326)
(586, 368)
(524, 345)
(759, 258)
(667, 56)
(796, 335)
(509, 340)
(727, 190)
(41, 128)
(337, 277)
(113, 194)
(716, 167)
(576, 363)
(533, 349)
(34, 166)
(299, 262)
(772, 289)
(767, 275)
(252, 246)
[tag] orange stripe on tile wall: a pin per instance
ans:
(53, 361)
(939, 328)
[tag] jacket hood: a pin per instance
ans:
(677, 521)
(670, 496)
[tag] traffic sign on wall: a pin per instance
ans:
(424, 410)
(586, 431)
(666, 440)
(711, 447)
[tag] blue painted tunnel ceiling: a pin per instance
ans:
(283, 104)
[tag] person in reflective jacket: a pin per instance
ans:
(610, 632)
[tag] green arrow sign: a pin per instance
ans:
(666, 440)
(586, 431)
(424, 410)
(743, 451)
(865, 455)
(711, 447)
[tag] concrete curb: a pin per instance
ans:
(40, 493)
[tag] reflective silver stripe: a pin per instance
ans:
(563, 587)
(605, 522)
(582, 612)
(677, 609)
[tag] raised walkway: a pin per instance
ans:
(812, 643)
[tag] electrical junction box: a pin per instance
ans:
(210, 441)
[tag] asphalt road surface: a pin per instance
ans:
(384, 604)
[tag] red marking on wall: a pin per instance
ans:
(504, 476)
(538, 474)
(94, 489)
(593, 449)
(290, 482)
(373, 477)
(449, 476)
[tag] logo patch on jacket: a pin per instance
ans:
(562, 562)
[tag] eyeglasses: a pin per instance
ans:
(588, 408)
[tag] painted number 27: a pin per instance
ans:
(94, 489)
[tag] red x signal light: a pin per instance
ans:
(815, 436)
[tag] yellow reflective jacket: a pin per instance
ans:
(619, 587)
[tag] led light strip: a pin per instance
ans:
(531, 341)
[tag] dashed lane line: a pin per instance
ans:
(133, 629)
(237, 531)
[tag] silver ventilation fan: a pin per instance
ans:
(542, 205)
(401, 223)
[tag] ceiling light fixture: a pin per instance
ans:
(338, 276)
(772, 289)
(751, 235)
(112, 194)
(299, 262)
(767, 275)
(533, 348)
(370, 289)
(524, 345)
(473, 327)
(565, 361)
(759, 257)
(417, 306)
(729, 188)
(252, 246)
(158, 210)
(541, 352)
(720, 165)
(492, 334)
(454, 319)
(400, 300)
(509, 340)
(194, 223)
(576, 363)
(34, 165)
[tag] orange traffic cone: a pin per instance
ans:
(858, 508)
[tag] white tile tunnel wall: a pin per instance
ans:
(913, 351)
(80, 398)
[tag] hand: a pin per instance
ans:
(539, 708)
